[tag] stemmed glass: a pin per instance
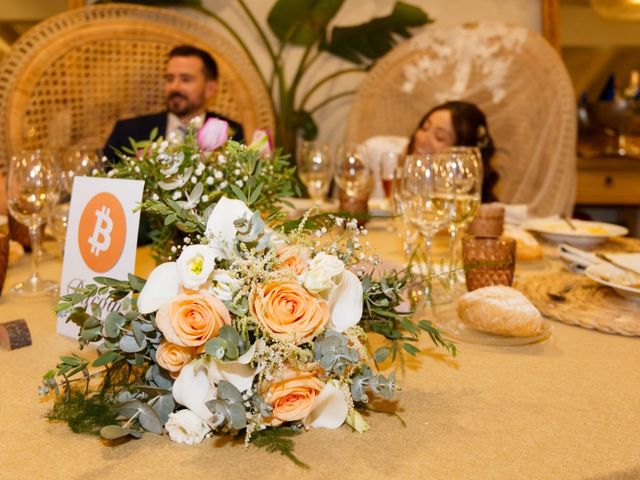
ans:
(352, 173)
(75, 162)
(32, 190)
(315, 168)
(428, 198)
(464, 167)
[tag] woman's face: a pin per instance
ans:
(435, 134)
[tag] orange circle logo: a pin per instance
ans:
(102, 232)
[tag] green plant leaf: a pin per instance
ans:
(307, 125)
(302, 22)
(369, 41)
(113, 432)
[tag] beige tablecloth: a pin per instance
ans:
(568, 408)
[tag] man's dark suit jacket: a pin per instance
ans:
(139, 128)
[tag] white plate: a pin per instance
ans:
(447, 319)
(586, 235)
(623, 282)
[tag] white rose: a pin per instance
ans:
(195, 264)
(224, 285)
(184, 426)
(324, 273)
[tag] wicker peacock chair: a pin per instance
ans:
(68, 79)
(512, 74)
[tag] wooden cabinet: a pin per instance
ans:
(608, 181)
(611, 181)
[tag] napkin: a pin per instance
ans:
(577, 258)
(628, 260)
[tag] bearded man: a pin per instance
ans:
(190, 80)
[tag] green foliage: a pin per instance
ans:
(370, 41)
(84, 414)
(382, 297)
(302, 22)
(183, 184)
(278, 440)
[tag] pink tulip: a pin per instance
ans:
(262, 142)
(213, 134)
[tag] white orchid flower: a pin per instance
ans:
(193, 389)
(329, 409)
(346, 302)
(238, 373)
(220, 225)
(195, 264)
(162, 285)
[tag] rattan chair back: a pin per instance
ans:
(67, 80)
(512, 74)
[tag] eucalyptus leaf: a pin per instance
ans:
(113, 432)
(163, 407)
(129, 344)
(149, 419)
(129, 409)
(105, 358)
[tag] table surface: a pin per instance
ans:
(568, 408)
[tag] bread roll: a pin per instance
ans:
(528, 249)
(500, 310)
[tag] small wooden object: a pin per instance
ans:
(14, 334)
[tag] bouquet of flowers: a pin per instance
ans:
(184, 178)
(258, 327)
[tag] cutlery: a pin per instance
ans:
(568, 221)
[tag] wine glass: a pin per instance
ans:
(388, 165)
(352, 173)
(314, 169)
(32, 190)
(76, 162)
(464, 167)
(428, 199)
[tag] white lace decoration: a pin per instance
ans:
(487, 50)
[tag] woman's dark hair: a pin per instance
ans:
(209, 65)
(471, 130)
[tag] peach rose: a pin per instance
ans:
(191, 320)
(173, 357)
(293, 258)
(289, 312)
(292, 396)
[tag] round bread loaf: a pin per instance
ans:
(500, 310)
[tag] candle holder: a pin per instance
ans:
(488, 261)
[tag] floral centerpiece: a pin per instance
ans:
(185, 177)
(258, 327)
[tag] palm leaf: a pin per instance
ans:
(375, 38)
(302, 22)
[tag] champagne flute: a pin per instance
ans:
(32, 190)
(464, 167)
(428, 199)
(314, 169)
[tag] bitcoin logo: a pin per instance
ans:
(101, 238)
(102, 232)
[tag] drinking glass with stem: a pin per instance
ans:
(32, 190)
(315, 168)
(428, 200)
(352, 173)
(464, 167)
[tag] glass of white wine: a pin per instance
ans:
(315, 168)
(32, 190)
(464, 168)
(428, 201)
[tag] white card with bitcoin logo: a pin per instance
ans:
(101, 237)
